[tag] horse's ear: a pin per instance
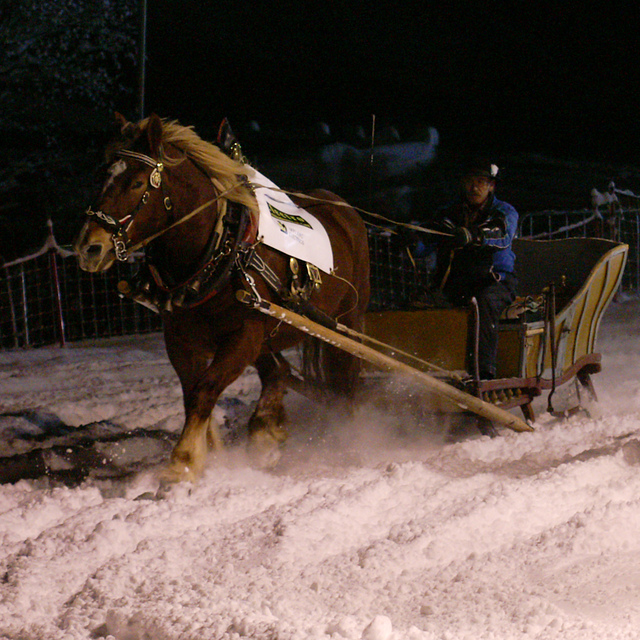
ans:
(120, 119)
(126, 127)
(154, 133)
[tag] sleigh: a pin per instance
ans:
(547, 338)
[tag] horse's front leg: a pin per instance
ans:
(201, 393)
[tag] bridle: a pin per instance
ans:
(119, 228)
(229, 246)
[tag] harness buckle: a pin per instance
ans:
(314, 275)
(120, 248)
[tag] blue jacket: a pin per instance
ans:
(493, 226)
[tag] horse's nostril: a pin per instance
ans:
(94, 250)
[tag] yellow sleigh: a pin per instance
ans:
(564, 288)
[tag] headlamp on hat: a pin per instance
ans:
(483, 169)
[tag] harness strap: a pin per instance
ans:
(256, 263)
(212, 274)
(338, 203)
(127, 153)
(291, 301)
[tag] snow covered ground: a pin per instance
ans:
(372, 527)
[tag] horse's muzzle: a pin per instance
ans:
(94, 249)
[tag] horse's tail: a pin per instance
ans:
(311, 369)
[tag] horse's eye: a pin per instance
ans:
(137, 184)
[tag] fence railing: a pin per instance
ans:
(46, 299)
(615, 215)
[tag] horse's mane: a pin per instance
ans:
(225, 172)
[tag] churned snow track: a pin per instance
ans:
(371, 528)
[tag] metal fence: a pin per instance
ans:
(614, 215)
(46, 299)
(397, 276)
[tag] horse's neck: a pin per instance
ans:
(180, 254)
(181, 249)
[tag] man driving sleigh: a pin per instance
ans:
(475, 259)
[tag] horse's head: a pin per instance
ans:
(132, 204)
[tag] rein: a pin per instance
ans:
(173, 225)
(119, 228)
(189, 293)
(407, 225)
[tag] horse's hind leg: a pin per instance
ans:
(266, 425)
(341, 371)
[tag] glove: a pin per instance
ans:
(462, 237)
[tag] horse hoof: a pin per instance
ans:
(263, 450)
(177, 472)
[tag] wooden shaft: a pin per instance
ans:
(464, 401)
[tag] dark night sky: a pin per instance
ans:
(515, 76)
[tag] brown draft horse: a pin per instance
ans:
(191, 205)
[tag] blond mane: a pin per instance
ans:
(226, 174)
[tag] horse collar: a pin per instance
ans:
(153, 288)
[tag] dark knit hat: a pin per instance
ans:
(483, 168)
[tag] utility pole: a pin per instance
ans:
(142, 55)
(373, 142)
